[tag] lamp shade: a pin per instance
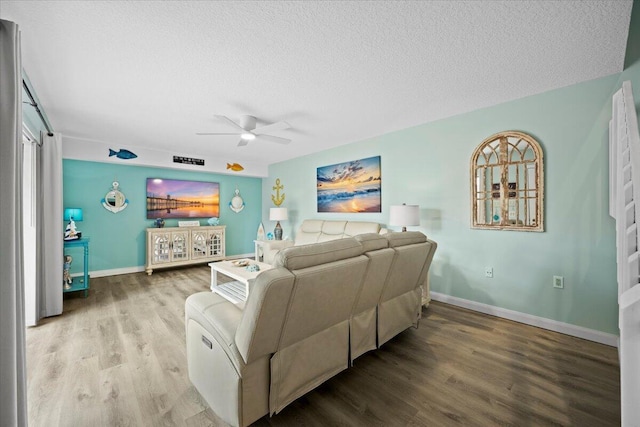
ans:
(278, 214)
(404, 215)
(73, 213)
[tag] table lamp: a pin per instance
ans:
(404, 215)
(278, 214)
(72, 215)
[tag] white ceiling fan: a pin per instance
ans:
(248, 131)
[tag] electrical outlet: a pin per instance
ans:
(558, 282)
(488, 272)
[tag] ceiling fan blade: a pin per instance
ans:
(230, 122)
(242, 142)
(215, 133)
(272, 138)
(271, 128)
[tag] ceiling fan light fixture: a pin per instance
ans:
(247, 136)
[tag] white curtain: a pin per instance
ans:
(49, 225)
(29, 240)
(13, 397)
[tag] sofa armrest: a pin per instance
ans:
(217, 316)
(271, 247)
(214, 313)
(237, 392)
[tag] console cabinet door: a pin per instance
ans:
(166, 247)
(179, 246)
(207, 243)
(217, 244)
(159, 247)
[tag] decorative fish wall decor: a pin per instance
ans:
(122, 154)
(235, 167)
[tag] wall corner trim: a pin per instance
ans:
(528, 319)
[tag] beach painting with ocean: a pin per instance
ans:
(350, 187)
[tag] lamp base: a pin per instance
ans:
(277, 232)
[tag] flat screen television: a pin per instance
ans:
(174, 198)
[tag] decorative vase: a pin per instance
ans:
(159, 222)
(277, 232)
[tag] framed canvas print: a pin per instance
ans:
(173, 198)
(353, 186)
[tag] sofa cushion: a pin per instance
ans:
(311, 226)
(318, 230)
(405, 238)
(334, 228)
(298, 257)
(309, 232)
(372, 241)
(353, 228)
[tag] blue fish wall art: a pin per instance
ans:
(122, 154)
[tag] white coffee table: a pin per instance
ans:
(238, 290)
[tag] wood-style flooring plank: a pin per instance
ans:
(118, 357)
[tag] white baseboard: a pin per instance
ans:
(138, 269)
(528, 319)
(116, 271)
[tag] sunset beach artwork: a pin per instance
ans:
(350, 187)
(173, 198)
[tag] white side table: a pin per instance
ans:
(237, 291)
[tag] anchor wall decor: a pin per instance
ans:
(278, 198)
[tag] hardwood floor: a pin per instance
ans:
(117, 358)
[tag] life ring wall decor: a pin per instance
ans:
(236, 204)
(114, 201)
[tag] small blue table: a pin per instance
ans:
(80, 283)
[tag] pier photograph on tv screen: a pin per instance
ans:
(173, 198)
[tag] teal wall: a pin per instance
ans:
(428, 165)
(118, 240)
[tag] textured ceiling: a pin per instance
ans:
(152, 74)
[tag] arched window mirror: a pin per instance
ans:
(507, 184)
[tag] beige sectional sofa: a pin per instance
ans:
(318, 231)
(304, 321)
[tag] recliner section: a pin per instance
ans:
(399, 306)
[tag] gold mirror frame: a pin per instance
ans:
(507, 183)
